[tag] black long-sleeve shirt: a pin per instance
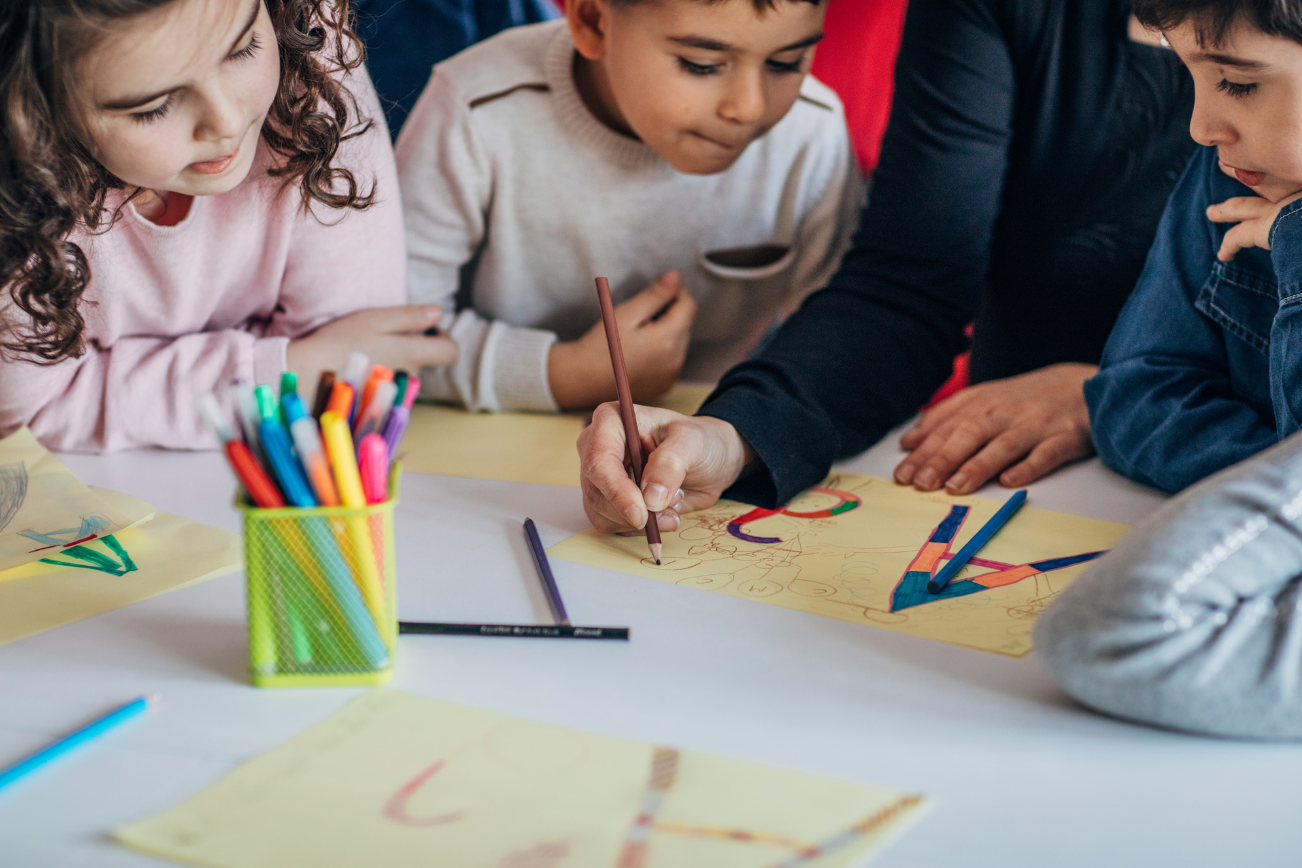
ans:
(1031, 149)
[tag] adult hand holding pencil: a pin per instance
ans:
(633, 439)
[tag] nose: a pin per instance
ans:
(744, 102)
(1207, 125)
(222, 117)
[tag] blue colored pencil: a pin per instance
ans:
(545, 573)
(74, 740)
(974, 545)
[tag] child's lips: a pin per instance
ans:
(1246, 176)
(214, 167)
(726, 146)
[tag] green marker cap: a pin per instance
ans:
(288, 383)
(400, 380)
(267, 403)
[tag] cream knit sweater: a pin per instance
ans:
(516, 197)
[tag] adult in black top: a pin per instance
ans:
(1031, 149)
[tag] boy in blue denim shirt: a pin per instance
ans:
(1204, 367)
(1194, 621)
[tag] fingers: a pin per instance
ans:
(1236, 239)
(1254, 216)
(942, 453)
(1000, 452)
(666, 469)
(611, 500)
(415, 352)
(1048, 455)
(680, 316)
(639, 309)
(400, 319)
(1238, 209)
(934, 418)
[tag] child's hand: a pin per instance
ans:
(390, 336)
(1255, 217)
(655, 327)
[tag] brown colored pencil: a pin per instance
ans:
(631, 435)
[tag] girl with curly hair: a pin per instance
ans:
(190, 191)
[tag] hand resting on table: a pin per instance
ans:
(1019, 428)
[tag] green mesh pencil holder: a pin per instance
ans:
(322, 605)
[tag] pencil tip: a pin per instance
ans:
(658, 562)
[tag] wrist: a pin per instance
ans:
(576, 380)
(736, 456)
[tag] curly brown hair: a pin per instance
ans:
(50, 184)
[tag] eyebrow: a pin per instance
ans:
(706, 44)
(1229, 60)
(132, 102)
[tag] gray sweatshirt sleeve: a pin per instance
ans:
(1192, 621)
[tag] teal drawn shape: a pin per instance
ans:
(94, 560)
(912, 590)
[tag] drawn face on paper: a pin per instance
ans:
(698, 82)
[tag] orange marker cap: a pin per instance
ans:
(341, 399)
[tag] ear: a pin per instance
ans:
(588, 21)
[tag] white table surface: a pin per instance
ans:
(1019, 775)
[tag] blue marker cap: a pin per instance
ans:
(289, 473)
(293, 407)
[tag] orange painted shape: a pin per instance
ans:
(928, 556)
(1005, 577)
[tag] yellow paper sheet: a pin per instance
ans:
(859, 549)
(159, 555)
(515, 447)
(43, 505)
(408, 782)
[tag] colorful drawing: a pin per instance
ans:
(847, 503)
(912, 589)
(94, 560)
(80, 570)
(38, 491)
(861, 550)
(408, 782)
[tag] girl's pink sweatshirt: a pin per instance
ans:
(175, 311)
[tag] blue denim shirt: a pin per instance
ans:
(1204, 366)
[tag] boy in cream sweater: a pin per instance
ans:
(677, 147)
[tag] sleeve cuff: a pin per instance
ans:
(1286, 247)
(517, 373)
(787, 463)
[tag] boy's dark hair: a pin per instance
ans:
(1212, 19)
(50, 184)
(761, 6)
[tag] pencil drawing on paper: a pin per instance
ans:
(13, 491)
(862, 550)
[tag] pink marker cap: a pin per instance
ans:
(413, 390)
(373, 461)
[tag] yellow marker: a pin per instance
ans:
(339, 446)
